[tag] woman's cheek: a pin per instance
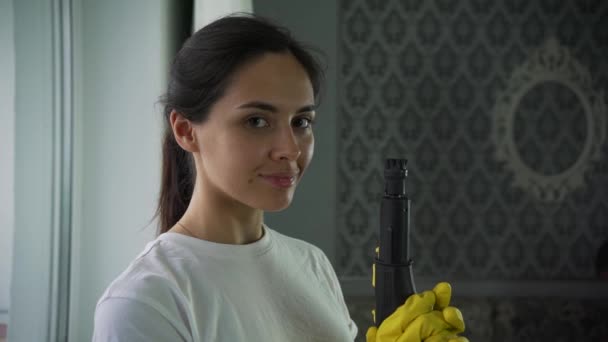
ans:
(309, 150)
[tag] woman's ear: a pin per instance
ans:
(183, 131)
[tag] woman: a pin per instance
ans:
(239, 112)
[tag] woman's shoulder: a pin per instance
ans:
(296, 244)
(151, 275)
(144, 300)
(303, 251)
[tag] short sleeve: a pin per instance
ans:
(124, 319)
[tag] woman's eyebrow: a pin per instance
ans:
(271, 108)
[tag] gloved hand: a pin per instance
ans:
(423, 317)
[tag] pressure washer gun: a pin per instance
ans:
(392, 277)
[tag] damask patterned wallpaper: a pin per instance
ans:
(421, 79)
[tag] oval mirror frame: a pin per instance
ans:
(550, 63)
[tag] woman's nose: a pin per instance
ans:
(287, 146)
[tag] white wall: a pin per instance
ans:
(205, 11)
(33, 178)
(123, 50)
(7, 153)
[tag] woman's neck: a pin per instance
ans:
(220, 220)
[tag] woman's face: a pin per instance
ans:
(258, 139)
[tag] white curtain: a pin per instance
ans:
(205, 11)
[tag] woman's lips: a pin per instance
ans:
(280, 182)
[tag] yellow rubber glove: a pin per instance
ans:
(423, 317)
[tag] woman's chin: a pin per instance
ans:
(275, 206)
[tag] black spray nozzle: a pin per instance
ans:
(395, 172)
(394, 280)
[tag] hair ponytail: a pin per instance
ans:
(177, 182)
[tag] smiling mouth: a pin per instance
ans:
(280, 182)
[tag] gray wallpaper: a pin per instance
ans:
(500, 108)
(422, 80)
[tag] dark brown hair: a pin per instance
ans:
(199, 75)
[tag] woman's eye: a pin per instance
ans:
(257, 122)
(304, 122)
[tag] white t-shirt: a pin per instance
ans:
(186, 289)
